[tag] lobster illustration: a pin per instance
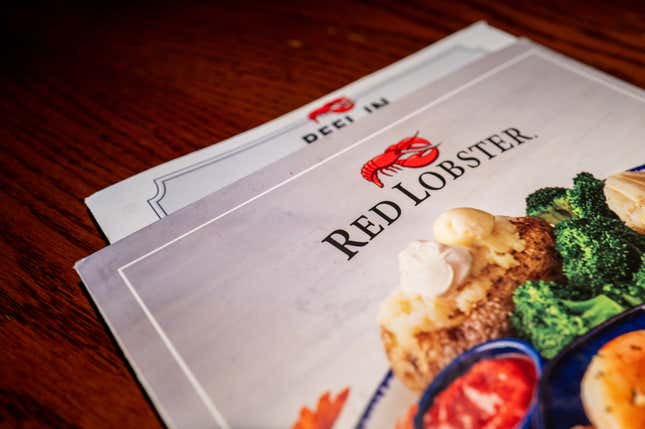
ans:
(411, 152)
(337, 105)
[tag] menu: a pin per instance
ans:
(469, 257)
(140, 200)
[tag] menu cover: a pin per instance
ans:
(140, 200)
(397, 276)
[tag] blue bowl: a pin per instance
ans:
(459, 366)
(560, 403)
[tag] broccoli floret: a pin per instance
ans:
(550, 322)
(550, 204)
(540, 318)
(632, 293)
(639, 277)
(586, 199)
(596, 251)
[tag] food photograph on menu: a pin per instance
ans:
(471, 256)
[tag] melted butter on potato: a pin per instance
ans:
(491, 239)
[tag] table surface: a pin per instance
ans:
(91, 96)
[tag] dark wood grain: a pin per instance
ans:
(90, 96)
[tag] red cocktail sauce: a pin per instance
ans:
(494, 394)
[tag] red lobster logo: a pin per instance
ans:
(337, 105)
(411, 152)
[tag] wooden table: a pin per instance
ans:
(91, 96)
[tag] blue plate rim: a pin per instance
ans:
(552, 363)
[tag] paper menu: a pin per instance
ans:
(138, 201)
(235, 315)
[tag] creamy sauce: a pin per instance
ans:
(430, 269)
